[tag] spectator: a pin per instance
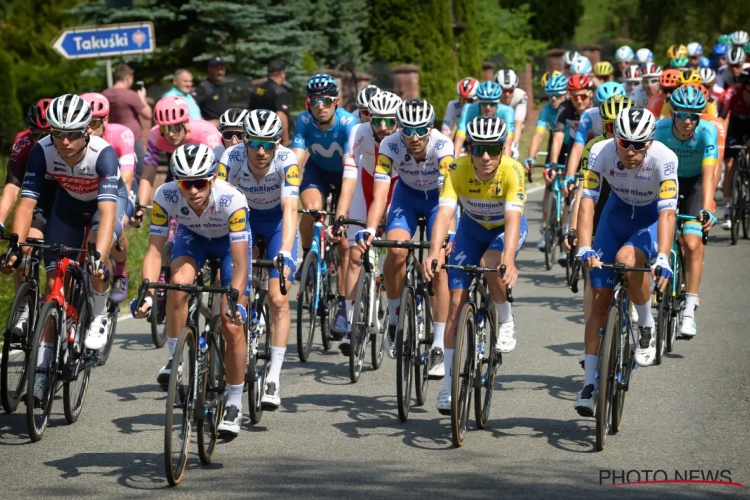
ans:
(183, 87)
(127, 107)
(210, 95)
(272, 95)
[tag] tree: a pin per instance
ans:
(10, 110)
(469, 55)
(552, 22)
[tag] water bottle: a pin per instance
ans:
(253, 322)
(373, 258)
(480, 321)
(420, 318)
(202, 355)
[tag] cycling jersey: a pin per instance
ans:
(700, 150)
(471, 111)
(733, 104)
(422, 178)
(226, 213)
(639, 96)
(201, 132)
(724, 80)
(19, 156)
(219, 151)
(656, 104)
(604, 191)
(589, 126)
(567, 121)
(547, 118)
(721, 136)
(452, 114)
(485, 201)
(327, 149)
(281, 179)
(518, 102)
(95, 177)
(121, 138)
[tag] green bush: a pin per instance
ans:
(11, 117)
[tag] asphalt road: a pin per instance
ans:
(335, 439)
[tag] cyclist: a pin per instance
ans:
(320, 143)
(213, 222)
(632, 78)
(581, 66)
(677, 50)
(230, 127)
(735, 108)
(491, 189)
(642, 176)
(695, 143)
(718, 56)
(420, 155)
(695, 54)
(690, 77)
(668, 84)
(357, 192)
(624, 58)
(268, 175)
(648, 91)
(467, 93)
(568, 59)
(729, 75)
(362, 113)
(643, 56)
(488, 103)
(708, 77)
(517, 99)
(88, 173)
(603, 73)
(121, 138)
(38, 128)
(173, 129)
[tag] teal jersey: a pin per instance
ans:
(547, 117)
(471, 111)
(701, 150)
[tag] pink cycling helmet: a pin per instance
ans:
(98, 103)
(171, 110)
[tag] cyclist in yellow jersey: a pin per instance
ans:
(490, 233)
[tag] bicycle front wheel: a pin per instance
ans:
(16, 346)
(38, 409)
(662, 324)
(377, 340)
(180, 406)
(607, 382)
(550, 233)
(360, 326)
(464, 360)
(676, 302)
(331, 297)
(158, 318)
(488, 363)
(74, 391)
(405, 342)
(307, 311)
(259, 361)
(737, 212)
(211, 386)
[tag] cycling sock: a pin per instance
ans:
(393, 311)
(277, 359)
(645, 316)
(727, 208)
(448, 360)
(235, 395)
(121, 268)
(589, 368)
(44, 355)
(349, 310)
(171, 345)
(100, 302)
(439, 335)
(503, 312)
(690, 305)
(23, 311)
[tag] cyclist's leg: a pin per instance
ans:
(692, 235)
(313, 192)
(357, 210)
(120, 274)
(440, 286)
(401, 223)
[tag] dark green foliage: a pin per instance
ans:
(469, 56)
(10, 110)
(552, 21)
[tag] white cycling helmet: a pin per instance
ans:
(193, 161)
(581, 66)
(694, 49)
(364, 95)
(740, 38)
(232, 117)
(263, 124)
(569, 57)
(735, 55)
(69, 112)
(643, 56)
(507, 79)
(635, 124)
(415, 113)
(624, 54)
(486, 129)
(707, 75)
(384, 103)
(651, 70)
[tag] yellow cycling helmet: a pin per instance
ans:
(549, 74)
(608, 109)
(676, 51)
(603, 68)
(689, 76)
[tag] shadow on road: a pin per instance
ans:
(571, 349)
(148, 422)
(565, 388)
(569, 435)
(133, 341)
(127, 394)
(142, 471)
(567, 304)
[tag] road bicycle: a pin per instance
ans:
(740, 213)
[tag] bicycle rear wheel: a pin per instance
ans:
(625, 359)
(738, 209)
(38, 411)
(663, 322)
(606, 373)
(464, 359)
(180, 406)
(551, 232)
(259, 361)
(16, 348)
(405, 342)
(745, 213)
(158, 317)
(360, 326)
(74, 391)
(485, 381)
(211, 386)
(377, 340)
(422, 346)
(306, 311)
(331, 297)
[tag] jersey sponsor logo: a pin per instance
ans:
(475, 191)
(237, 154)
(346, 120)
(327, 152)
(225, 200)
(359, 141)
(184, 211)
(393, 147)
(170, 195)
(667, 190)
(520, 196)
(383, 165)
(222, 172)
(238, 221)
(282, 156)
(460, 258)
(158, 216)
(591, 179)
(440, 144)
(453, 166)
(292, 175)
(669, 168)
(238, 237)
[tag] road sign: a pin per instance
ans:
(105, 41)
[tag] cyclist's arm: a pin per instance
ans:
(710, 159)
(460, 138)
(148, 175)
(126, 153)
(152, 260)
(299, 144)
(302, 156)
(574, 159)
(557, 142)
(592, 181)
(515, 197)
(108, 170)
(238, 242)
(574, 210)
(349, 179)
(289, 203)
(520, 118)
(8, 199)
(667, 203)
(33, 182)
(536, 140)
(447, 201)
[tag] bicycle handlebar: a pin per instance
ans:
(702, 220)
(231, 293)
(434, 267)
(315, 214)
(508, 290)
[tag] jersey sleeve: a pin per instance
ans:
(19, 156)
(449, 118)
(542, 122)
(520, 109)
(668, 189)
(509, 118)
(384, 162)
(463, 120)
(560, 119)
(108, 170)
(350, 163)
(447, 196)
(300, 127)
(592, 178)
(291, 182)
(239, 226)
(445, 156)
(350, 126)
(161, 208)
(223, 171)
(711, 145)
(584, 126)
(126, 153)
(36, 168)
(515, 187)
(151, 158)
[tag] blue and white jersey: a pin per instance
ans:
(590, 125)
(327, 149)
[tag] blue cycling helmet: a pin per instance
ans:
(607, 90)
(556, 85)
(720, 49)
(489, 91)
(687, 98)
(322, 84)
(704, 62)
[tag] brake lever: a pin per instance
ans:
(434, 266)
(508, 290)
(282, 280)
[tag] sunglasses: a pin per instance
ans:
(199, 184)
(556, 96)
(39, 134)
(171, 129)
(580, 97)
(736, 66)
(364, 112)
(465, 101)
(418, 131)
(72, 135)
(684, 115)
(96, 123)
(634, 145)
(651, 81)
(609, 127)
(377, 121)
(490, 149)
(508, 91)
(266, 145)
(324, 100)
(229, 135)
(488, 104)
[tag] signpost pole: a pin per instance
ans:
(109, 73)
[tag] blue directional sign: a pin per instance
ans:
(105, 41)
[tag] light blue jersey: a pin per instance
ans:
(471, 111)
(701, 150)
(327, 149)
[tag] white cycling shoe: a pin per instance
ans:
(506, 337)
(645, 354)
(688, 327)
(96, 338)
(443, 404)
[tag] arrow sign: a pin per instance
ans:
(105, 41)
